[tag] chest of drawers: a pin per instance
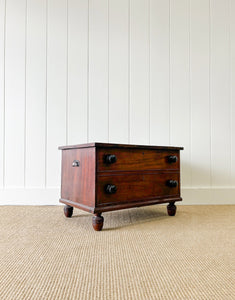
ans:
(100, 177)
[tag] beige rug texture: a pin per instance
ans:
(142, 253)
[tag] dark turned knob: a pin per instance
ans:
(172, 159)
(110, 158)
(172, 183)
(110, 189)
(76, 163)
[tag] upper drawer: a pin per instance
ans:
(116, 159)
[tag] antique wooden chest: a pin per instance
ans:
(100, 177)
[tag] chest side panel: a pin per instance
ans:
(78, 176)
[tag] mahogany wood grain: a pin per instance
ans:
(137, 159)
(68, 211)
(78, 183)
(171, 209)
(134, 175)
(117, 206)
(136, 187)
(97, 222)
(123, 146)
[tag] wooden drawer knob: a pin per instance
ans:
(110, 189)
(172, 183)
(172, 159)
(110, 158)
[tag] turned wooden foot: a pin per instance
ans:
(171, 209)
(97, 222)
(68, 211)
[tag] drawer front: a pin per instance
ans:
(136, 187)
(114, 159)
(78, 176)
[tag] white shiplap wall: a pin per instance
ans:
(129, 71)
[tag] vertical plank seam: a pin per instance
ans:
(149, 45)
(210, 100)
(129, 71)
(4, 95)
(88, 66)
(230, 90)
(67, 73)
(46, 92)
(170, 75)
(190, 92)
(108, 69)
(25, 96)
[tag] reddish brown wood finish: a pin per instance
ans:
(123, 146)
(171, 209)
(145, 202)
(97, 222)
(135, 187)
(136, 159)
(139, 175)
(68, 211)
(78, 183)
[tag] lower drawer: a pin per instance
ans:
(124, 188)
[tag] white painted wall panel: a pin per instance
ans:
(56, 114)
(220, 94)
(232, 87)
(118, 71)
(159, 72)
(35, 93)
(139, 72)
(200, 91)
(2, 88)
(98, 71)
(15, 93)
(180, 102)
(77, 71)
